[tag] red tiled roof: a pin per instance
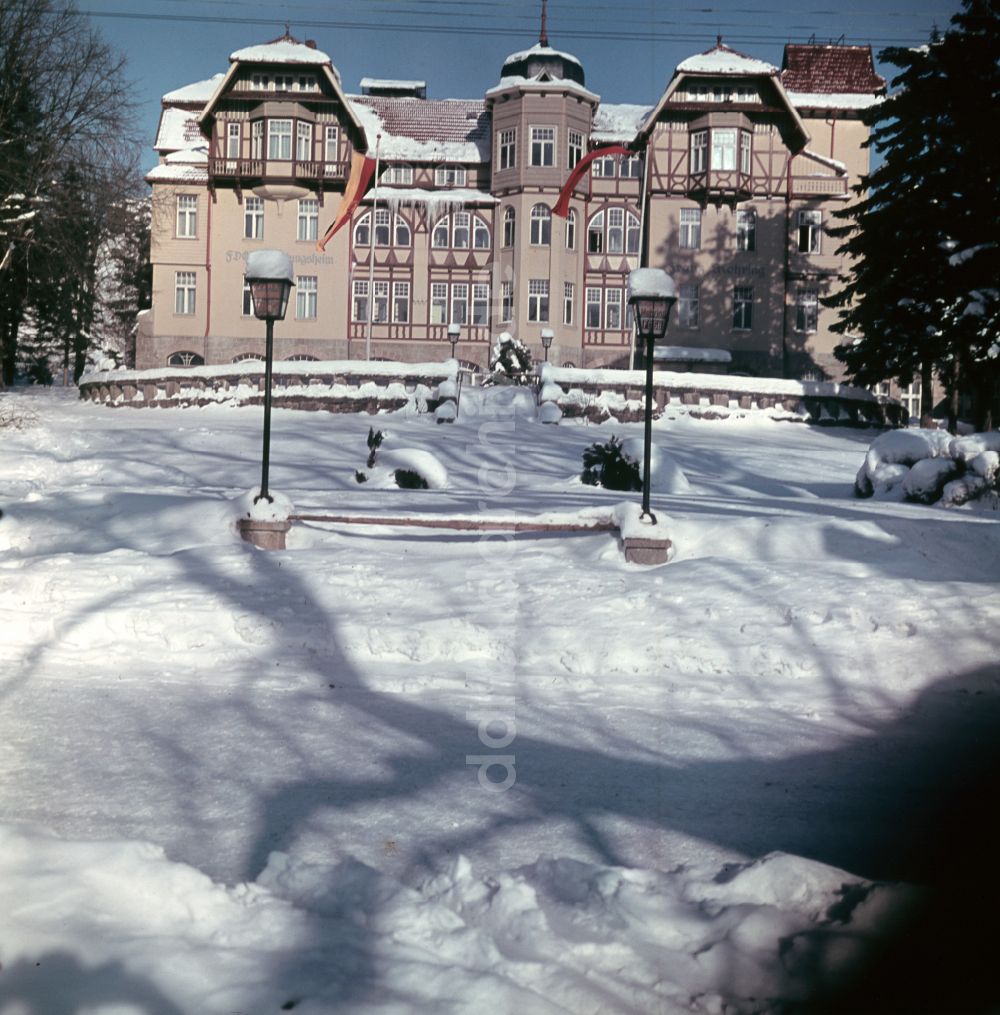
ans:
(829, 69)
(445, 120)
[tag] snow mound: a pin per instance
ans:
(422, 463)
(931, 466)
(277, 509)
(665, 475)
(124, 926)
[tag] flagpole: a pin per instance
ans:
(371, 256)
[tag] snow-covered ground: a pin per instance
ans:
(395, 770)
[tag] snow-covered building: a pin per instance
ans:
(729, 181)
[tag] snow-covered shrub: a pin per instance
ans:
(404, 468)
(607, 465)
(510, 360)
(14, 417)
(931, 466)
(549, 412)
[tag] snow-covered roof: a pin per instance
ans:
(198, 92)
(284, 50)
(539, 50)
(178, 129)
(618, 121)
(810, 69)
(437, 202)
(825, 160)
(723, 60)
(182, 173)
(543, 83)
(194, 156)
(425, 130)
(391, 83)
(834, 100)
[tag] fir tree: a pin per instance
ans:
(922, 296)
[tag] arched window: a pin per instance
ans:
(480, 234)
(244, 356)
(461, 230)
(389, 229)
(185, 359)
(302, 357)
(615, 230)
(508, 226)
(571, 231)
(541, 226)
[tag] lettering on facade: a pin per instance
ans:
(743, 270)
(242, 255)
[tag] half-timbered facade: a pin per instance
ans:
(729, 182)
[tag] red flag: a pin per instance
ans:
(562, 205)
(362, 170)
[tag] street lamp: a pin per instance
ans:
(454, 330)
(651, 294)
(269, 274)
(547, 335)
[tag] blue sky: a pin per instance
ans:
(628, 49)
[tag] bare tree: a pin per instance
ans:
(66, 119)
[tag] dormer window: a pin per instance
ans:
(399, 174)
(450, 176)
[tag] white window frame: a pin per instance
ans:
(401, 302)
(807, 311)
(383, 227)
(509, 225)
(359, 300)
(279, 141)
(592, 308)
(461, 230)
(725, 141)
(595, 234)
(439, 303)
(506, 302)
(616, 231)
(480, 234)
(234, 135)
(398, 174)
(247, 306)
(459, 303)
(253, 218)
(605, 168)
(688, 298)
(746, 230)
(307, 220)
(743, 308)
(331, 143)
(690, 229)
(574, 148)
(380, 301)
(699, 151)
(187, 216)
(538, 300)
(185, 293)
(568, 302)
(746, 151)
(542, 152)
(506, 149)
(257, 139)
(480, 304)
(613, 309)
(402, 235)
(810, 222)
(571, 230)
(303, 141)
(540, 231)
(450, 176)
(306, 287)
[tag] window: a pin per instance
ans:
(305, 297)
(481, 304)
(380, 302)
(699, 151)
(185, 359)
(541, 226)
(595, 234)
(232, 141)
(690, 238)
(303, 141)
(616, 230)
(247, 310)
(308, 219)
(359, 306)
(723, 148)
(331, 144)
(257, 139)
(574, 148)
(631, 234)
(460, 230)
(402, 232)
(603, 168)
(506, 302)
(687, 305)
(253, 218)
(440, 236)
(613, 309)
(543, 146)
(508, 226)
(742, 307)
(439, 303)
(746, 229)
(459, 303)
(593, 311)
(571, 231)
(506, 149)
(810, 228)
(631, 168)
(362, 231)
(449, 176)
(807, 310)
(184, 292)
(383, 227)
(279, 139)
(746, 142)
(401, 302)
(567, 302)
(187, 215)
(480, 234)
(398, 173)
(538, 299)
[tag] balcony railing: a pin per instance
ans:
(256, 169)
(724, 182)
(829, 186)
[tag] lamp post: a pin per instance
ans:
(651, 295)
(269, 274)
(547, 335)
(454, 330)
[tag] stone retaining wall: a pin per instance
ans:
(598, 395)
(313, 386)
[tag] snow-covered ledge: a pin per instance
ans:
(327, 385)
(601, 394)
